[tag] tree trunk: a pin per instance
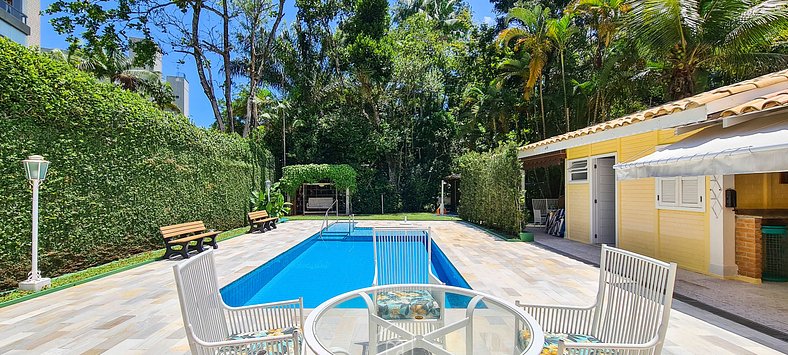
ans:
(682, 83)
(205, 79)
(541, 106)
(563, 83)
(228, 83)
(251, 120)
(250, 104)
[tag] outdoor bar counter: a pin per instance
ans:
(749, 239)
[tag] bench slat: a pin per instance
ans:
(184, 228)
(194, 237)
(182, 232)
(258, 214)
(182, 225)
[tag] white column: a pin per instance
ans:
(441, 208)
(34, 273)
(347, 201)
(722, 228)
(34, 281)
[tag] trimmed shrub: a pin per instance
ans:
(490, 188)
(294, 176)
(120, 168)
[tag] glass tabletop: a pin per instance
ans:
(420, 319)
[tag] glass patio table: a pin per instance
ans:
(420, 319)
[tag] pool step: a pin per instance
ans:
(335, 235)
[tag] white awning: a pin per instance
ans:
(756, 146)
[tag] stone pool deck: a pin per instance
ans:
(137, 311)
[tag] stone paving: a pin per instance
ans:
(763, 306)
(136, 311)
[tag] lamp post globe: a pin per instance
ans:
(36, 171)
(35, 167)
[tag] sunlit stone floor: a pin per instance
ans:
(137, 311)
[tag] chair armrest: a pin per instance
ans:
(274, 315)
(561, 319)
(616, 348)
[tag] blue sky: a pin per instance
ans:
(201, 112)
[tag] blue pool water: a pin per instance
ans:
(318, 269)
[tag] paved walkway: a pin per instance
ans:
(763, 308)
(136, 311)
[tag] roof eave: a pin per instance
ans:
(664, 122)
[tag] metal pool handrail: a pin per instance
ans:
(325, 224)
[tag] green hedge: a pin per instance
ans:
(293, 176)
(490, 188)
(120, 168)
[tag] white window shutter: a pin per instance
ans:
(690, 192)
(668, 191)
(682, 193)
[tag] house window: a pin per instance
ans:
(681, 193)
(577, 170)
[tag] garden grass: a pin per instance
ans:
(97, 272)
(415, 216)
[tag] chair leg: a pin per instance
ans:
(273, 224)
(185, 250)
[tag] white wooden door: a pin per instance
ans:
(604, 201)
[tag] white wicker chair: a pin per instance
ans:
(394, 251)
(630, 315)
(212, 327)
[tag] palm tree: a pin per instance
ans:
(529, 37)
(688, 38)
(489, 110)
(604, 14)
(605, 19)
(116, 67)
(512, 68)
(444, 11)
(559, 31)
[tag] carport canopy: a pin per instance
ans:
(543, 160)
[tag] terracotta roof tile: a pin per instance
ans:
(685, 104)
(762, 103)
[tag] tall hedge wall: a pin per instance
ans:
(490, 188)
(120, 168)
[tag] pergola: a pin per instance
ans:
(318, 188)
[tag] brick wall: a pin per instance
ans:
(749, 246)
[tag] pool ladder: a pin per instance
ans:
(325, 224)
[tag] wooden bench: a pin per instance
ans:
(260, 221)
(189, 236)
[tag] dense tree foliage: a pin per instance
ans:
(398, 92)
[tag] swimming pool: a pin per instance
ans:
(320, 268)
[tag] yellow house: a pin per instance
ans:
(691, 181)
